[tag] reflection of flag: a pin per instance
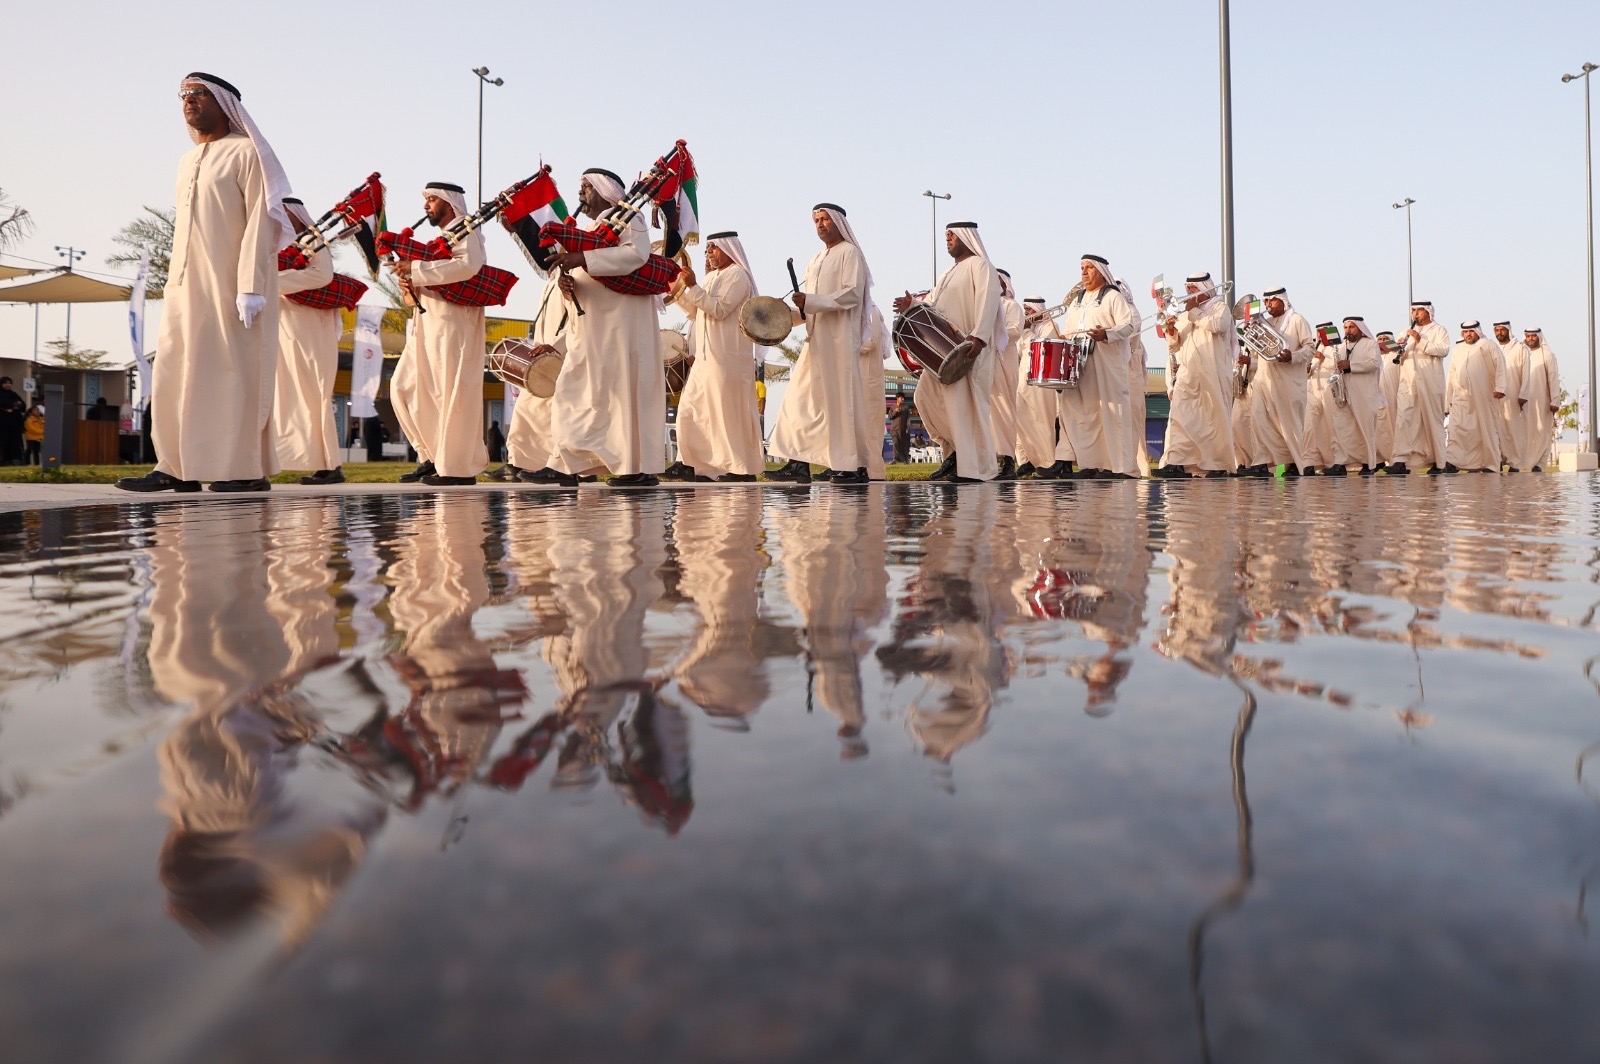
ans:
(1328, 334)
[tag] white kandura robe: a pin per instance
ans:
(1514, 412)
(1244, 421)
(437, 389)
(872, 409)
(529, 438)
(957, 415)
(213, 380)
(1476, 372)
(1036, 406)
(610, 406)
(1355, 425)
(1277, 396)
(1419, 399)
(719, 430)
(1137, 388)
(1094, 415)
(1199, 429)
(1003, 394)
(818, 421)
(1544, 394)
(1389, 382)
(1320, 444)
(308, 360)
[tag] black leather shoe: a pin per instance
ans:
(1367, 471)
(1536, 469)
(155, 480)
(1512, 469)
(857, 477)
(424, 469)
(1026, 469)
(1171, 472)
(1336, 471)
(737, 478)
(1397, 469)
(634, 480)
(1061, 469)
(258, 484)
(436, 481)
(1291, 470)
(1451, 467)
(946, 470)
(324, 476)
(678, 471)
(549, 477)
(1008, 468)
(1214, 474)
(505, 472)
(793, 471)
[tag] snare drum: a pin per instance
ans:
(514, 362)
(1057, 362)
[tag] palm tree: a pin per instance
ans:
(151, 231)
(15, 222)
(789, 350)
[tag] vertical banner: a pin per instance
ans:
(366, 361)
(1583, 418)
(136, 324)
(513, 393)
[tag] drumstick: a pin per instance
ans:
(793, 280)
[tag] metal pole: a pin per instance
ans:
(71, 254)
(1411, 289)
(1588, 207)
(1227, 145)
(933, 199)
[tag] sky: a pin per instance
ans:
(1060, 128)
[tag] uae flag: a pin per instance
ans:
(1252, 309)
(689, 201)
(531, 206)
(1328, 333)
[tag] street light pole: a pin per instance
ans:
(1588, 202)
(71, 255)
(483, 79)
(1411, 295)
(1226, 72)
(933, 200)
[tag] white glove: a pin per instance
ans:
(249, 305)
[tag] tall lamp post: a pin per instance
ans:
(1588, 201)
(1411, 295)
(1226, 72)
(933, 199)
(483, 79)
(72, 255)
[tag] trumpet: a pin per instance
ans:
(1169, 302)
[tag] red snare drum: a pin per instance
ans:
(1056, 362)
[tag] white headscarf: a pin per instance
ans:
(1104, 268)
(1283, 294)
(239, 121)
(1005, 285)
(297, 211)
(1433, 315)
(1361, 323)
(606, 184)
(967, 234)
(729, 244)
(1208, 287)
(841, 223)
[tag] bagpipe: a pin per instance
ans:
(346, 218)
(658, 190)
(490, 286)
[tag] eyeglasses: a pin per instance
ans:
(196, 94)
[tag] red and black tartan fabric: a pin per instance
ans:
(292, 258)
(342, 293)
(651, 279)
(411, 249)
(486, 288)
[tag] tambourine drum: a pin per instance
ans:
(765, 321)
(925, 338)
(514, 362)
(675, 359)
(1055, 362)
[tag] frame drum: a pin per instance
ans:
(765, 320)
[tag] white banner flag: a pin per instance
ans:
(366, 361)
(136, 324)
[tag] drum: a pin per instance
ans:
(675, 359)
(1057, 362)
(766, 321)
(925, 339)
(514, 362)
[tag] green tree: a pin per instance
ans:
(152, 231)
(15, 222)
(789, 352)
(1566, 411)
(64, 354)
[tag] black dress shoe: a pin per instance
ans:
(1025, 470)
(1212, 474)
(1536, 469)
(1512, 469)
(155, 480)
(793, 471)
(634, 480)
(1008, 468)
(1291, 470)
(324, 476)
(1451, 467)
(539, 476)
(505, 472)
(1367, 471)
(437, 481)
(1172, 472)
(1336, 471)
(424, 469)
(1397, 469)
(857, 477)
(258, 484)
(1061, 469)
(678, 471)
(946, 470)
(737, 478)
(699, 478)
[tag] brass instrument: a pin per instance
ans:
(1257, 337)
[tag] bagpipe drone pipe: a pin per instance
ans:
(347, 218)
(490, 286)
(658, 190)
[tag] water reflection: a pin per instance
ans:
(312, 683)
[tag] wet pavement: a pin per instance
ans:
(1225, 770)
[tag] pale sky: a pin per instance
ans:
(1059, 128)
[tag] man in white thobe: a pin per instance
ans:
(1389, 381)
(1319, 443)
(874, 349)
(818, 423)
(217, 352)
(610, 406)
(1544, 400)
(1095, 439)
(1138, 375)
(719, 431)
(1355, 424)
(530, 439)
(1036, 405)
(437, 387)
(1199, 384)
(1514, 412)
(1277, 396)
(308, 361)
(1476, 383)
(958, 416)
(1007, 367)
(1419, 394)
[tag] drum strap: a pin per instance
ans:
(1098, 297)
